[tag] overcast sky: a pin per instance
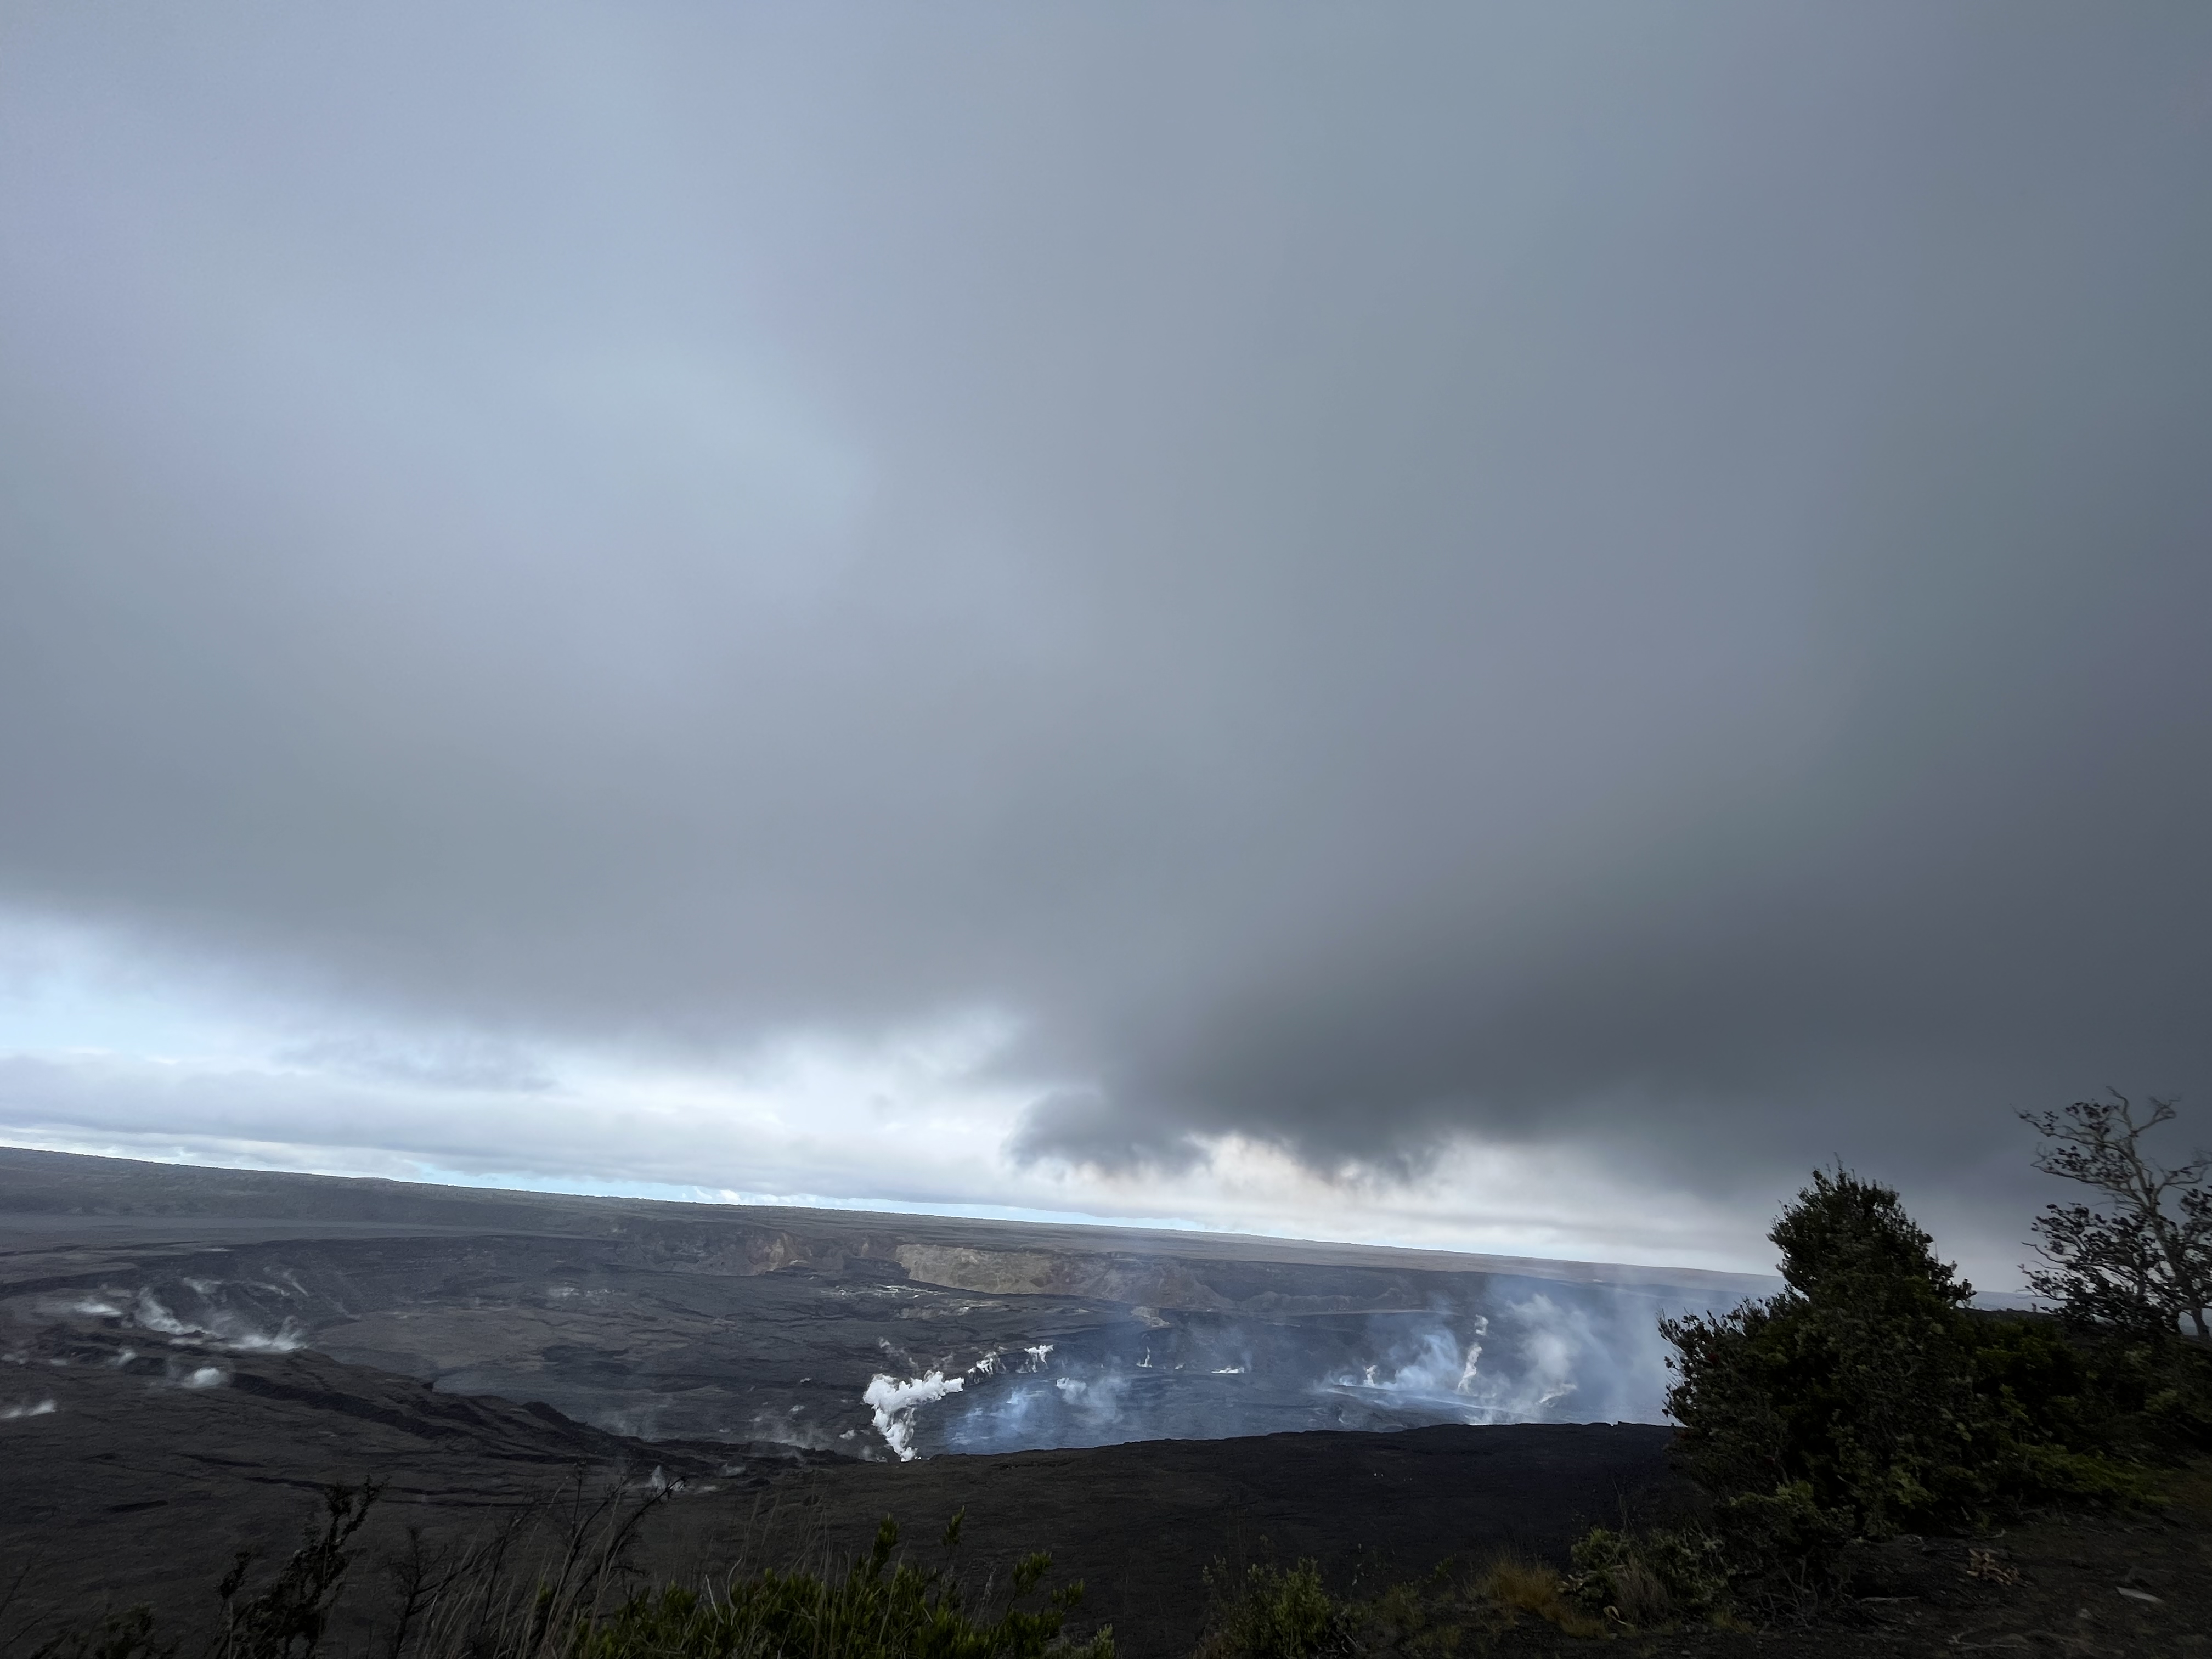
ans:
(1498, 625)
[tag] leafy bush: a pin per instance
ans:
(1857, 1382)
(1274, 1612)
(492, 1598)
(1867, 1399)
(878, 1609)
(1655, 1577)
(1781, 1545)
(2082, 1405)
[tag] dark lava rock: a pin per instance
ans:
(149, 1472)
(190, 1354)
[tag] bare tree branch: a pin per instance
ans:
(2140, 1255)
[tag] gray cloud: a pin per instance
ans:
(1590, 575)
(451, 1062)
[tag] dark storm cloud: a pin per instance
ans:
(1598, 573)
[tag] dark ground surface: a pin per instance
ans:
(136, 1487)
(215, 1345)
(726, 1322)
(187, 1356)
(2101, 1586)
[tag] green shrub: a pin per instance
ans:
(491, 1597)
(1858, 1382)
(1782, 1543)
(1274, 1612)
(878, 1609)
(1655, 1576)
(1868, 1399)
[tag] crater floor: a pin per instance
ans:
(186, 1355)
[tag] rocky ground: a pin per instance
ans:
(2086, 1585)
(716, 1321)
(139, 1486)
(142, 1480)
(187, 1356)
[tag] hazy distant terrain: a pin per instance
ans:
(870, 1335)
(185, 1354)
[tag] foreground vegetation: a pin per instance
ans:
(553, 1583)
(1866, 1402)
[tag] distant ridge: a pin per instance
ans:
(134, 1195)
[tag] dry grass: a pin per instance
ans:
(553, 1581)
(1519, 1586)
(1639, 1596)
(2186, 1491)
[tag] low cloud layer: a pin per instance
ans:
(1359, 584)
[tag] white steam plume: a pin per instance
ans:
(895, 1403)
